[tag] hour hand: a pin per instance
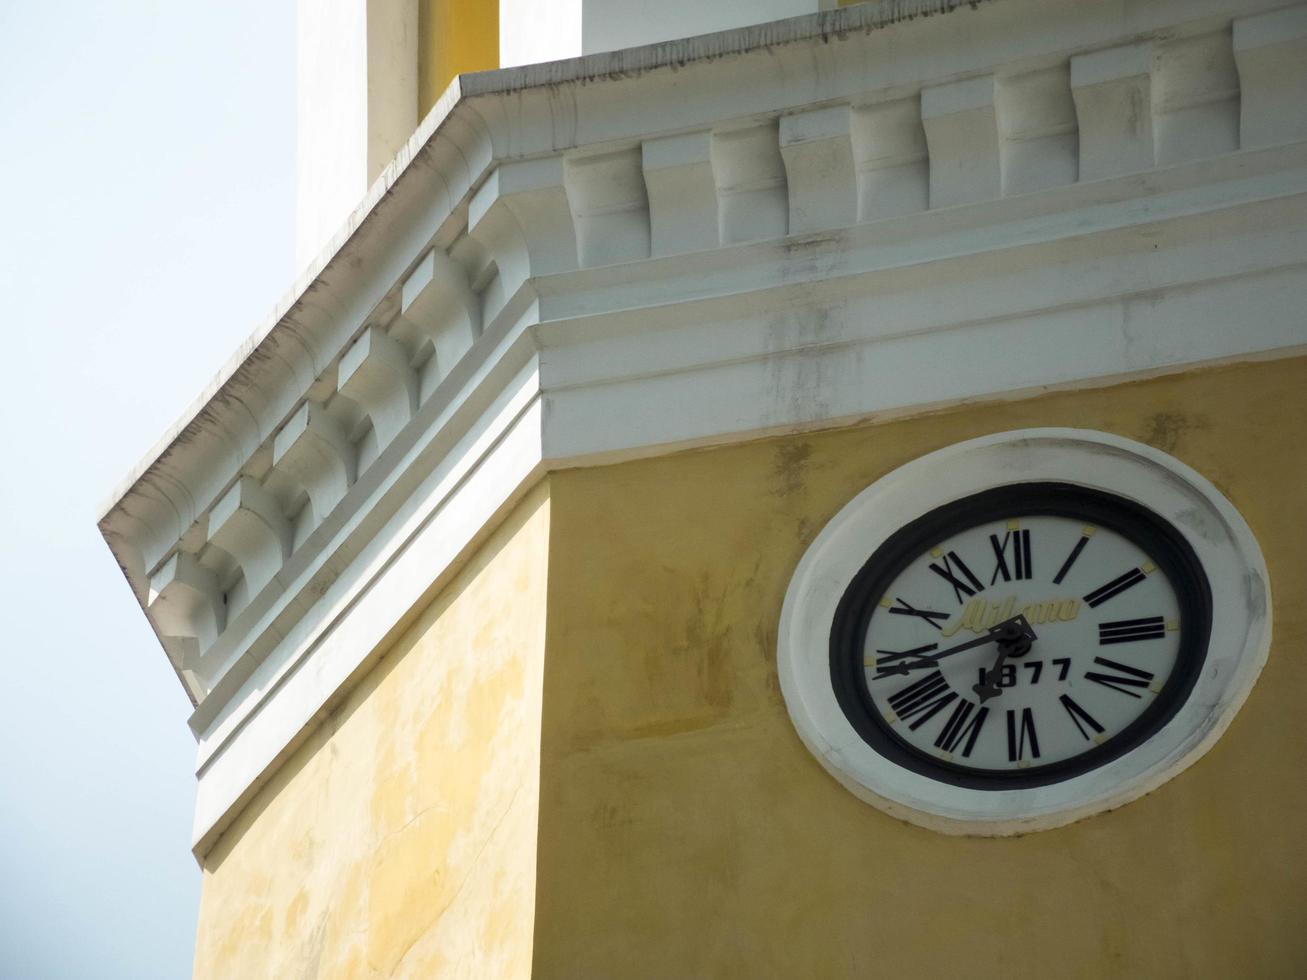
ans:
(890, 656)
(1009, 630)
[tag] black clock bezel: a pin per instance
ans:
(1157, 537)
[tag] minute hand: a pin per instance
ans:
(996, 632)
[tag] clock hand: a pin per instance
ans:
(1014, 627)
(900, 654)
(1015, 642)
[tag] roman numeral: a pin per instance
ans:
(1079, 715)
(1129, 630)
(1021, 735)
(1020, 541)
(891, 656)
(922, 699)
(1129, 677)
(1115, 587)
(1075, 553)
(952, 565)
(964, 723)
(928, 615)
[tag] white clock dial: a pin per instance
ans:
(1107, 627)
(1020, 636)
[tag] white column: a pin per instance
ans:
(531, 31)
(356, 105)
(611, 24)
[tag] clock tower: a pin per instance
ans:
(754, 490)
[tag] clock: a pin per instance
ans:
(1114, 604)
(1020, 630)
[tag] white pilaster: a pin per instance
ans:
(356, 104)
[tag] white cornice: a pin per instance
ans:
(788, 229)
(608, 66)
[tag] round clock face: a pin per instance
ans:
(1021, 636)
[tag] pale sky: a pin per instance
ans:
(146, 157)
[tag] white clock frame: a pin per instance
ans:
(1238, 647)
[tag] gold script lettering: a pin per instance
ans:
(978, 615)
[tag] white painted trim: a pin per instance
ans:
(407, 560)
(1240, 640)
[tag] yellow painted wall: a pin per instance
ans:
(400, 839)
(454, 36)
(686, 832)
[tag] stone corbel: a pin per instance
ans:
(188, 608)
(1112, 90)
(818, 152)
(1037, 130)
(248, 524)
(521, 216)
(438, 302)
(752, 202)
(682, 196)
(890, 157)
(375, 374)
(962, 134)
(1195, 98)
(610, 208)
(312, 455)
(1270, 51)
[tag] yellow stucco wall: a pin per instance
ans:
(686, 832)
(400, 839)
(454, 36)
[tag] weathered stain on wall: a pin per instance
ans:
(686, 832)
(400, 839)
